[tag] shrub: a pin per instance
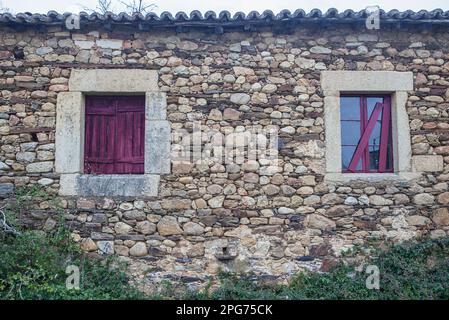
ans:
(33, 265)
(411, 270)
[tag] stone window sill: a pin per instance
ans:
(120, 185)
(371, 177)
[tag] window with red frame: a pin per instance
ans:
(115, 134)
(366, 143)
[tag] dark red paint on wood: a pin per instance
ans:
(114, 135)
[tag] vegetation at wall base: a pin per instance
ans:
(413, 270)
(33, 266)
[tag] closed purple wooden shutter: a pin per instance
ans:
(114, 139)
(130, 135)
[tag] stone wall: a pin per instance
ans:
(251, 217)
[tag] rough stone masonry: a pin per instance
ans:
(245, 217)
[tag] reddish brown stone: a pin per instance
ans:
(231, 114)
(4, 55)
(320, 250)
(328, 264)
(429, 125)
(339, 211)
(442, 150)
(365, 225)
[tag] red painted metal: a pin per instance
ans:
(384, 136)
(364, 122)
(114, 136)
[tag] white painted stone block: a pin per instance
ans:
(69, 132)
(110, 43)
(157, 146)
(365, 81)
(428, 163)
(113, 80)
(67, 184)
(84, 44)
(156, 106)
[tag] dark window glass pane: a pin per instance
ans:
(371, 103)
(350, 108)
(374, 138)
(389, 165)
(346, 155)
(374, 157)
(350, 132)
(375, 134)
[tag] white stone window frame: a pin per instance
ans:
(70, 130)
(394, 83)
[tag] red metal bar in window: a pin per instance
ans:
(384, 137)
(363, 143)
(364, 123)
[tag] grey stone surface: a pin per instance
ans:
(105, 247)
(240, 98)
(157, 146)
(69, 132)
(110, 43)
(67, 184)
(319, 49)
(117, 185)
(362, 81)
(112, 80)
(43, 50)
(428, 163)
(36, 167)
(156, 106)
(28, 146)
(6, 189)
(25, 156)
(4, 166)
(45, 181)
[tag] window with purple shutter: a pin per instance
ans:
(366, 144)
(115, 133)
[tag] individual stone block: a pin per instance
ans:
(428, 163)
(441, 217)
(110, 43)
(105, 247)
(367, 80)
(37, 167)
(157, 146)
(156, 106)
(113, 80)
(117, 185)
(69, 132)
(6, 189)
(138, 250)
(168, 226)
